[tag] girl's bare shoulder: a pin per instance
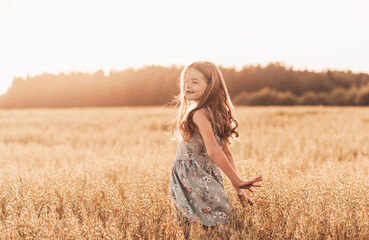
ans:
(207, 112)
(201, 115)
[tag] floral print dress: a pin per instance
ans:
(196, 184)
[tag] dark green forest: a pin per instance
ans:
(273, 84)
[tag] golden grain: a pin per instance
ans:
(103, 173)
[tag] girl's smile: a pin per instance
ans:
(196, 85)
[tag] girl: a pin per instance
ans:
(206, 125)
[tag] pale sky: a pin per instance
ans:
(85, 35)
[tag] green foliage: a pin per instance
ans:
(287, 98)
(362, 97)
(265, 96)
(337, 97)
(312, 98)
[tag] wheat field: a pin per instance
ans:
(103, 173)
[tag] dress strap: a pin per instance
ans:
(209, 114)
(206, 113)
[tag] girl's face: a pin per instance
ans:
(196, 85)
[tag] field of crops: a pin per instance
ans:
(103, 173)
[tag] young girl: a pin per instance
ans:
(206, 125)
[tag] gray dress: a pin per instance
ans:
(196, 184)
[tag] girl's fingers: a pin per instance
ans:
(244, 198)
(258, 179)
(250, 190)
(249, 201)
(251, 183)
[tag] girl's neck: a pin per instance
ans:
(191, 106)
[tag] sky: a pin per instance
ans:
(50, 36)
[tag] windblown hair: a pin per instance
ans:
(215, 97)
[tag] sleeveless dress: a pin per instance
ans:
(196, 183)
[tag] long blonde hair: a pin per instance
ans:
(215, 97)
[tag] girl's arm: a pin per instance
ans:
(213, 149)
(242, 196)
(229, 156)
(228, 153)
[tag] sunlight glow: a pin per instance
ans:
(63, 36)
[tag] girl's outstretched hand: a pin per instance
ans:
(250, 183)
(247, 185)
(243, 198)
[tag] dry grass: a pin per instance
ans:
(104, 173)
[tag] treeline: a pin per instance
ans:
(337, 97)
(273, 84)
